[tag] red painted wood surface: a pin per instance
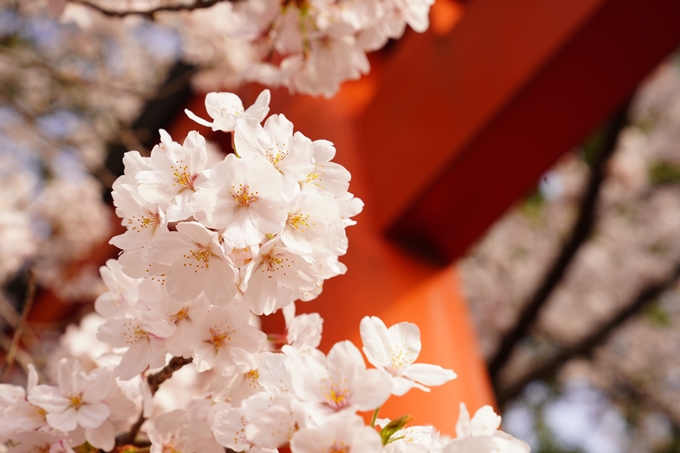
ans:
(467, 123)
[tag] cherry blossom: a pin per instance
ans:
(342, 432)
(395, 350)
(481, 434)
(226, 108)
(173, 431)
(197, 263)
(242, 197)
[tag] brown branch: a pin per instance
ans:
(154, 381)
(199, 4)
(588, 343)
(28, 304)
(22, 357)
(627, 388)
(581, 232)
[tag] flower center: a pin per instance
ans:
(339, 448)
(272, 263)
(276, 157)
(337, 396)
(218, 338)
(314, 177)
(299, 222)
(401, 356)
(242, 195)
(201, 258)
(181, 315)
(76, 400)
(252, 376)
(182, 176)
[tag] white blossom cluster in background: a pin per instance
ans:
(65, 92)
(50, 224)
(309, 46)
(206, 249)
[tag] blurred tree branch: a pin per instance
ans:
(588, 343)
(198, 4)
(18, 331)
(580, 233)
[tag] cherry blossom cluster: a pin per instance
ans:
(209, 247)
(309, 46)
(292, 396)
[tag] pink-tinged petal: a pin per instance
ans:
(279, 128)
(428, 374)
(197, 233)
(250, 138)
(260, 108)
(220, 105)
(376, 340)
(272, 429)
(219, 284)
(197, 118)
(261, 293)
(49, 398)
(241, 230)
(169, 247)
(366, 440)
(134, 361)
(70, 375)
(92, 415)
(184, 282)
(407, 335)
(485, 422)
(32, 378)
(63, 421)
(229, 428)
(402, 385)
(102, 437)
(97, 385)
(204, 206)
(170, 422)
(463, 424)
(195, 151)
(156, 187)
(310, 440)
(371, 390)
(345, 361)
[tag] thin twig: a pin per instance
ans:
(9, 314)
(22, 357)
(588, 343)
(580, 233)
(154, 381)
(150, 12)
(28, 304)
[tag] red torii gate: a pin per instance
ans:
(447, 131)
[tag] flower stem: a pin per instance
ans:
(375, 416)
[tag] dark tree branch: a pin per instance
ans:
(587, 344)
(198, 4)
(155, 381)
(581, 231)
(18, 331)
